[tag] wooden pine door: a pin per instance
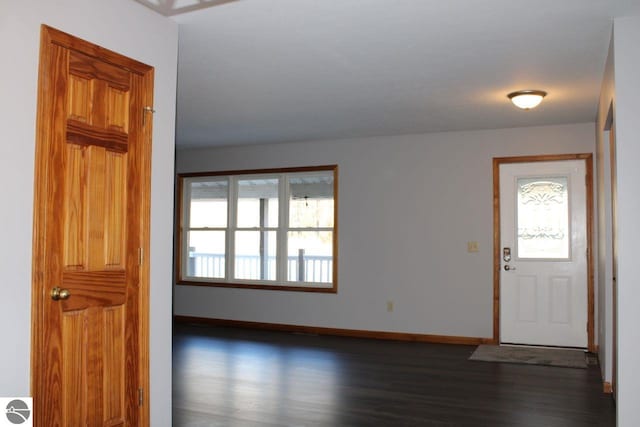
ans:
(90, 279)
(543, 229)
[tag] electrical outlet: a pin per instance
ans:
(472, 247)
(389, 306)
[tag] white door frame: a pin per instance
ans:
(497, 256)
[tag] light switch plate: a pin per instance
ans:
(472, 247)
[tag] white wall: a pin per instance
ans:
(627, 93)
(604, 327)
(407, 207)
(133, 30)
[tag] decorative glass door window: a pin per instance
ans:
(543, 218)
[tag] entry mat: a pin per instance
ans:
(533, 356)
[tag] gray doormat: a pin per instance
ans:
(531, 356)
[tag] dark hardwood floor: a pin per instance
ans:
(238, 377)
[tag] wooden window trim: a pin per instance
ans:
(217, 283)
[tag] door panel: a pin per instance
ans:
(527, 308)
(543, 276)
(90, 227)
(560, 299)
(74, 333)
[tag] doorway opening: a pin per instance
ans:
(543, 269)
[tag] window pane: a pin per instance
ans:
(208, 204)
(310, 256)
(543, 218)
(255, 257)
(311, 200)
(206, 255)
(258, 203)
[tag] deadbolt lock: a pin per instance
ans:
(506, 254)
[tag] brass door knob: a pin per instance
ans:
(58, 294)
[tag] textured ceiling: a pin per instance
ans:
(257, 71)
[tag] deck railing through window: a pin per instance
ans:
(315, 269)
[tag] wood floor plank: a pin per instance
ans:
(239, 377)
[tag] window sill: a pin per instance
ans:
(260, 286)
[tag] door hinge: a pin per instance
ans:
(145, 110)
(140, 256)
(140, 396)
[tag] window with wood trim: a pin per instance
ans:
(268, 229)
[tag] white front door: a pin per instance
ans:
(543, 280)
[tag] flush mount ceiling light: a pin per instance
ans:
(527, 99)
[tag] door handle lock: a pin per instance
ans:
(59, 294)
(506, 254)
(507, 267)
